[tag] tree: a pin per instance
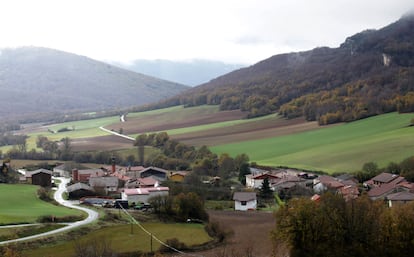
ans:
(66, 149)
(243, 171)
(265, 191)
(190, 206)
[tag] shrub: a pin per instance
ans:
(172, 243)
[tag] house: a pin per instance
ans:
(256, 181)
(178, 176)
(79, 190)
(157, 173)
(142, 182)
(142, 195)
(41, 177)
(349, 192)
(109, 184)
(382, 191)
(380, 179)
(84, 175)
(244, 201)
(399, 198)
(326, 183)
(60, 170)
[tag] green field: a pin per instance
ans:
(20, 204)
(120, 238)
(341, 148)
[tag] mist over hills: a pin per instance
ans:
(191, 73)
(371, 73)
(41, 80)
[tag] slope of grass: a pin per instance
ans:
(122, 239)
(346, 147)
(20, 204)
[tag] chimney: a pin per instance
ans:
(75, 175)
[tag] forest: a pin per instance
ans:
(371, 73)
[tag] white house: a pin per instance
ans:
(244, 201)
(142, 195)
(256, 181)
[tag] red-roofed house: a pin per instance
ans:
(326, 183)
(142, 195)
(399, 198)
(142, 182)
(84, 175)
(256, 181)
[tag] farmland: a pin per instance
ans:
(269, 140)
(122, 239)
(20, 204)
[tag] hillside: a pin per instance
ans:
(41, 80)
(372, 72)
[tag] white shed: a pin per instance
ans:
(244, 201)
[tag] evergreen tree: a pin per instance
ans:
(265, 191)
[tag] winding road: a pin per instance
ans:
(92, 215)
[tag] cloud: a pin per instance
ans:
(231, 31)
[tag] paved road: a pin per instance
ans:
(117, 134)
(92, 215)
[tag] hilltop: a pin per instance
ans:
(371, 73)
(40, 80)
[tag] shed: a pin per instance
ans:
(40, 177)
(244, 201)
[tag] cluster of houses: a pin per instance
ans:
(138, 184)
(133, 184)
(392, 188)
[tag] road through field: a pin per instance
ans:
(92, 215)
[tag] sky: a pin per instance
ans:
(231, 31)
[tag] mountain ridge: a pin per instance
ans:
(350, 82)
(43, 80)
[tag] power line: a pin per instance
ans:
(134, 221)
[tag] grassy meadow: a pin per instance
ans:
(270, 140)
(120, 238)
(341, 148)
(20, 204)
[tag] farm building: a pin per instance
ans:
(157, 173)
(40, 177)
(142, 195)
(108, 184)
(79, 190)
(84, 175)
(142, 182)
(244, 201)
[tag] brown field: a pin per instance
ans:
(251, 231)
(164, 121)
(106, 143)
(248, 131)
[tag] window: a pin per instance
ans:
(244, 203)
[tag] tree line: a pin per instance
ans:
(334, 227)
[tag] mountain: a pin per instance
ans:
(41, 80)
(192, 73)
(372, 72)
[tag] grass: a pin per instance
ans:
(341, 148)
(20, 204)
(19, 232)
(121, 239)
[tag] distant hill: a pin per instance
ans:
(41, 80)
(372, 72)
(191, 73)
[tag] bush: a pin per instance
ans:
(173, 243)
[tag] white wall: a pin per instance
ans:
(249, 205)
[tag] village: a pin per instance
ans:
(134, 186)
